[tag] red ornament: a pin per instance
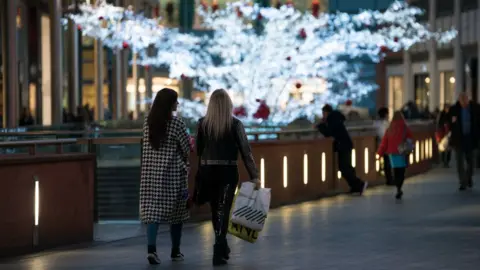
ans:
(302, 33)
(259, 17)
(100, 18)
(348, 102)
(315, 8)
(298, 85)
(395, 39)
(79, 27)
(125, 45)
(263, 111)
(183, 77)
(239, 12)
(384, 49)
(156, 11)
(240, 111)
(289, 58)
(147, 67)
(214, 7)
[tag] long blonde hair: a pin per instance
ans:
(218, 119)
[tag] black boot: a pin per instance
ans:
(227, 252)
(219, 255)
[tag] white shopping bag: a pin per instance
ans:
(444, 143)
(251, 206)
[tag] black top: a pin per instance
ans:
(334, 127)
(227, 147)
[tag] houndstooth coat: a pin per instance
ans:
(164, 176)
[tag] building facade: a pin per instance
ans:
(430, 74)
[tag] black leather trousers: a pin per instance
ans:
(224, 180)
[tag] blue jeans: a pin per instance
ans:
(175, 235)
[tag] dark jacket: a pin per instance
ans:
(334, 127)
(442, 120)
(457, 138)
(226, 148)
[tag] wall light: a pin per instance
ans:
(377, 163)
(431, 147)
(354, 159)
(452, 79)
(339, 174)
(425, 143)
(365, 156)
(417, 151)
(422, 152)
(411, 158)
(305, 169)
(285, 172)
(262, 172)
(427, 80)
(324, 174)
(36, 206)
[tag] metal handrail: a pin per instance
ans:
(32, 145)
(37, 142)
(139, 131)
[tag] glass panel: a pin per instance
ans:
(111, 155)
(449, 90)
(395, 90)
(422, 83)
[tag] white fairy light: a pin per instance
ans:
(261, 53)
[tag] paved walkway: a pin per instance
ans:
(434, 228)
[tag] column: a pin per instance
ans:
(457, 48)
(36, 66)
(149, 81)
(98, 49)
(136, 82)
(117, 86)
(408, 92)
(10, 70)
(186, 14)
(73, 67)
(56, 55)
(117, 81)
(124, 77)
(434, 93)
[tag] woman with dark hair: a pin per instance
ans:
(220, 138)
(163, 186)
(397, 133)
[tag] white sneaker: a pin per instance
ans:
(153, 258)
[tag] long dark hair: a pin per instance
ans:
(161, 112)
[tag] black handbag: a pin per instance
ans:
(201, 192)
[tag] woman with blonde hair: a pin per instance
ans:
(393, 146)
(220, 138)
(163, 184)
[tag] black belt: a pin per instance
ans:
(219, 162)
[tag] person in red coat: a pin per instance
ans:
(397, 132)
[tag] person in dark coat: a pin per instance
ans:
(464, 124)
(442, 129)
(333, 125)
